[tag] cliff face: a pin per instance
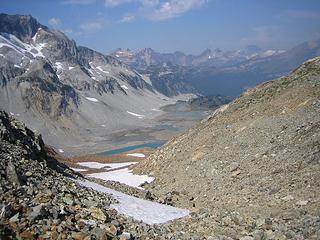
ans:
(256, 158)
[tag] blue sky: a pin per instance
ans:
(170, 25)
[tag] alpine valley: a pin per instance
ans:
(224, 145)
(67, 91)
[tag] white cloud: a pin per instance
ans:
(91, 27)
(174, 8)
(159, 10)
(114, 3)
(149, 3)
(78, 2)
(54, 22)
(67, 31)
(128, 18)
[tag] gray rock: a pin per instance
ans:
(15, 218)
(36, 212)
(99, 233)
(98, 214)
(68, 199)
(247, 238)
(260, 222)
(111, 230)
(125, 236)
(89, 203)
(302, 202)
(258, 235)
(11, 173)
(234, 166)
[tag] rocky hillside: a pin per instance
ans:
(40, 198)
(66, 91)
(37, 197)
(253, 165)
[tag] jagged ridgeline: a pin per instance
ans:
(215, 71)
(253, 166)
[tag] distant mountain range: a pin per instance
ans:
(143, 58)
(214, 71)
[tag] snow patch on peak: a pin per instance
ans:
(34, 38)
(136, 115)
(92, 99)
(16, 44)
(58, 65)
(124, 87)
(101, 70)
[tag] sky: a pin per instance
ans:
(189, 26)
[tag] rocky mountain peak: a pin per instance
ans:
(207, 51)
(23, 27)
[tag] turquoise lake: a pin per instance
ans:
(153, 145)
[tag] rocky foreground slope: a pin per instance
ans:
(253, 166)
(40, 199)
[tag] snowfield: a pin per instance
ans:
(124, 176)
(139, 209)
(110, 166)
(139, 155)
(79, 169)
